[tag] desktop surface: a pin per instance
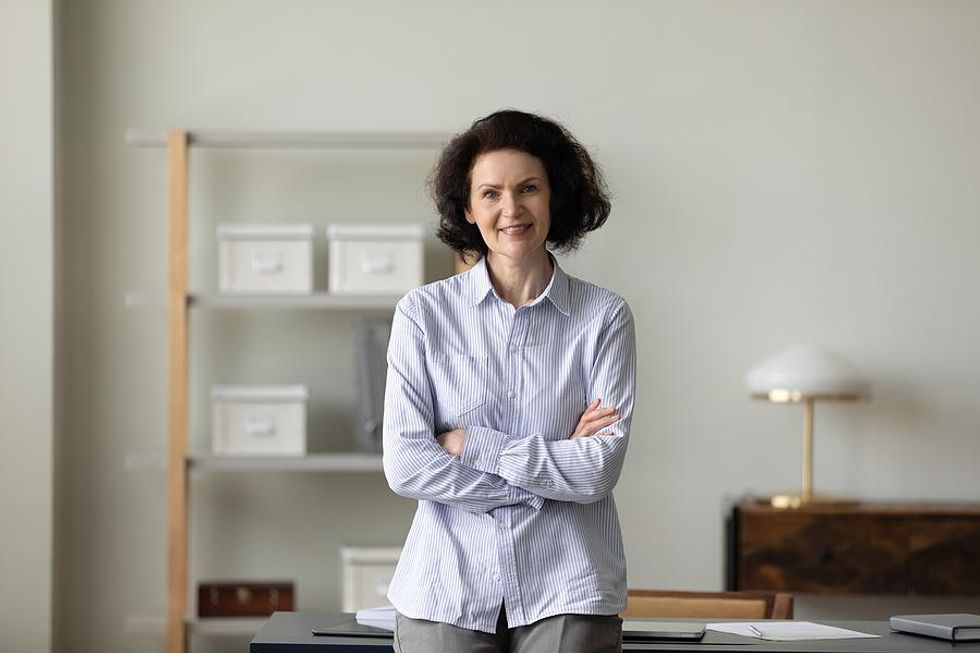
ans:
(292, 632)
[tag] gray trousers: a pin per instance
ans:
(565, 633)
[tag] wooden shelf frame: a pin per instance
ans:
(178, 424)
(179, 301)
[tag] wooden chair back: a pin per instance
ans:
(709, 605)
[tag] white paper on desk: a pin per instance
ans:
(383, 617)
(787, 631)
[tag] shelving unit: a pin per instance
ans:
(322, 462)
(179, 461)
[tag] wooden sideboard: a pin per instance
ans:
(866, 548)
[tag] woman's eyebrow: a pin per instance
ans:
(523, 181)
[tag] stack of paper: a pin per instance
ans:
(786, 631)
(383, 617)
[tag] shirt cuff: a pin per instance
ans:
(482, 447)
(520, 495)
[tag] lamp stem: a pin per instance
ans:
(807, 495)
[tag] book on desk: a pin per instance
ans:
(957, 627)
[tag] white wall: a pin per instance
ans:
(783, 172)
(27, 337)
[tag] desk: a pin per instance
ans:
(290, 632)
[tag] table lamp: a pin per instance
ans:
(804, 374)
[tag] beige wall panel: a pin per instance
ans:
(27, 325)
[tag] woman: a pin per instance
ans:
(507, 408)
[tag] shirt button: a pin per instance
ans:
(496, 577)
(510, 394)
(501, 525)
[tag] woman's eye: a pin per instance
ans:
(530, 188)
(490, 194)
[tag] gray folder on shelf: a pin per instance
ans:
(372, 335)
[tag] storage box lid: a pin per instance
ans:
(260, 393)
(337, 231)
(237, 231)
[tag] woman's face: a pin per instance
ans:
(510, 202)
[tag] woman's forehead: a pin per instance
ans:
(503, 165)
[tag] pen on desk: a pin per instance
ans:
(756, 632)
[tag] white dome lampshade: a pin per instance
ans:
(806, 371)
(804, 374)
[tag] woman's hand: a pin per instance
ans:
(452, 441)
(594, 419)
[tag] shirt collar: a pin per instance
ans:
(478, 285)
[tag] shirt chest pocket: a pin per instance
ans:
(459, 381)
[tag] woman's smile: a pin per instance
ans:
(516, 230)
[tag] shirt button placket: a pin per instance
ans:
(506, 575)
(513, 357)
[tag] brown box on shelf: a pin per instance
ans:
(244, 599)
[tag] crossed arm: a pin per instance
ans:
(594, 418)
(479, 469)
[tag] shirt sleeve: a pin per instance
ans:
(415, 465)
(583, 470)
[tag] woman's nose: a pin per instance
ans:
(509, 205)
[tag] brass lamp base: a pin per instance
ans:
(806, 497)
(796, 501)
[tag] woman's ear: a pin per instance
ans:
(468, 215)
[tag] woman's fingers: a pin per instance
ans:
(594, 418)
(594, 426)
(597, 414)
(452, 441)
(603, 423)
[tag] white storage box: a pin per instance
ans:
(265, 258)
(259, 420)
(367, 574)
(374, 259)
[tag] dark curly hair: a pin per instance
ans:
(579, 198)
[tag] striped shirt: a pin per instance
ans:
(525, 516)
